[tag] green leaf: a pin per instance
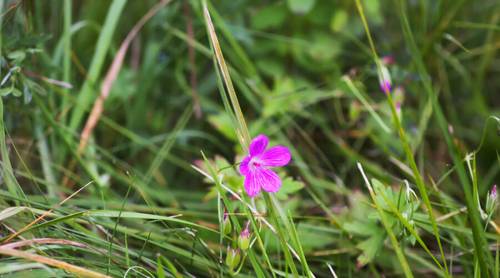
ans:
(301, 6)
(222, 123)
(11, 211)
(339, 20)
(269, 17)
(289, 186)
(16, 92)
(6, 91)
(313, 238)
(325, 47)
(124, 87)
(370, 248)
(17, 55)
(160, 272)
(363, 228)
(373, 12)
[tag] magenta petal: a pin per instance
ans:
(258, 145)
(261, 178)
(276, 157)
(271, 181)
(251, 185)
(244, 166)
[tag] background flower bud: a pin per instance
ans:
(244, 239)
(232, 258)
(226, 224)
(491, 200)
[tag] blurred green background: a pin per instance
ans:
(304, 75)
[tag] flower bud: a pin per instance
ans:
(244, 238)
(226, 224)
(232, 258)
(384, 78)
(491, 200)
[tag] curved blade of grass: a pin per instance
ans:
(281, 235)
(259, 240)
(169, 142)
(8, 173)
(112, 74)
(86, 94)
(67, 6)
(365, 103)
(46, 213)
(45, 157)
(244, 135)
(78, 271)
(296, 241)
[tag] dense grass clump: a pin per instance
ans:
(130, 147)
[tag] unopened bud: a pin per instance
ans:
(398, 109)
(232, 258)
(226, 224)
(491, 200)
(244, 238)
(384, 79)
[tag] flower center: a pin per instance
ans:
(255, 163)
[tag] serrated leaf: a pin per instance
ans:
(370, 248)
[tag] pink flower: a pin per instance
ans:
(256, 166)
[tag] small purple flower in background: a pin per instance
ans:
(384, 79)
(256, 166)
(494, 192)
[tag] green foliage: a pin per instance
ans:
(300, 6)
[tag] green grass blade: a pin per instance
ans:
(281, 234)
(243, 135)
(67, 6)
(8, 173)
(89, 87)
(365, 103)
